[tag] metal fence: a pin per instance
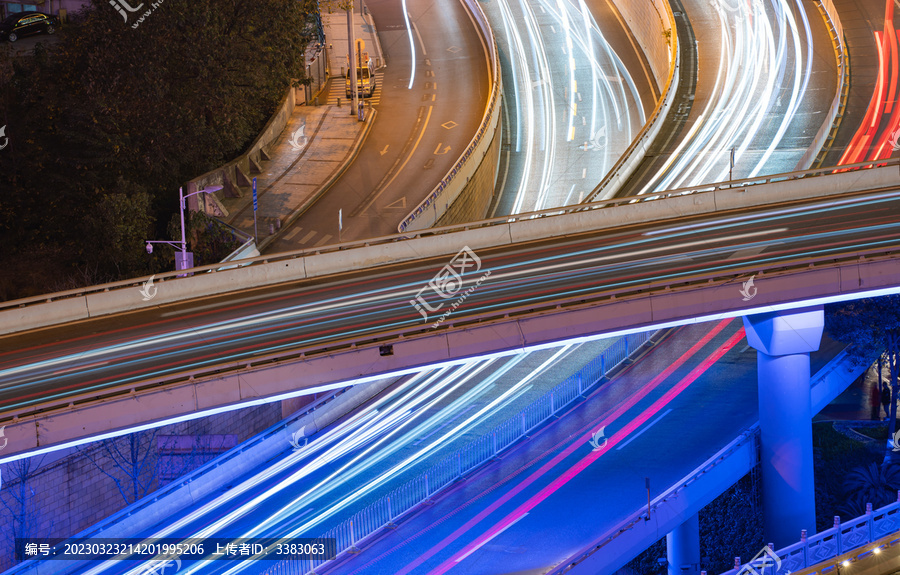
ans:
(386, 510)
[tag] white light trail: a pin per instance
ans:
(412, 45)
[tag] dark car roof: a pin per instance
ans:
(16, 15)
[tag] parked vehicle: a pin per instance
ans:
(365, 80)
(21, 24)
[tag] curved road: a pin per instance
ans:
(425, 119)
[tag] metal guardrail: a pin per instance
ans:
(751, 435)
(830, 543)
(243, 248)
(385, 511)
(286, 256)
(488, 121)
(630, 159)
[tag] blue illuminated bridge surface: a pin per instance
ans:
(688, 396)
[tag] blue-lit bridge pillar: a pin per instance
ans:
(783, 341)
(683, 548)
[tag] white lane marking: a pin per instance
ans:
(638, 434)
(483, 543)
(421, 43)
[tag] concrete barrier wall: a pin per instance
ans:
(474, 199)
(654, 23)
(468, 168)
(615, 311)
(836, 29)
(651, 24)
(239, 172)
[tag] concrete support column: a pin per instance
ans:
(783, 341)
(683, 548)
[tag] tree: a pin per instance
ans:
(872, 326)
(107, 124)
(871, 483)
(208, 239)
(17, 499)
(130, 461)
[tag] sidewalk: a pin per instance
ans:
(335, 25)
(317, 145)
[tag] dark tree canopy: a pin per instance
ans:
(872, 325)
(109, 122)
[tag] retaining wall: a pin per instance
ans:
(649, 22)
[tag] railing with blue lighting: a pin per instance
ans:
(402, 500)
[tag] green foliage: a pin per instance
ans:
(872, 483)
(110, 121)
(208, 239)
(872, 325)
(121, 222)
(879, 432)
(834, 456)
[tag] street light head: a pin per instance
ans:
(149, 248)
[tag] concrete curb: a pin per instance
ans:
(345, 165)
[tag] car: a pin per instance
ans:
(365, 80)
(21, 24)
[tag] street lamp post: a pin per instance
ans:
(184, 259)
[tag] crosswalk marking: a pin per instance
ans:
(293, 233)
(338, 90)
(308, 237)
(323, 241)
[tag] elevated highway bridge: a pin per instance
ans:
(79, 364)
